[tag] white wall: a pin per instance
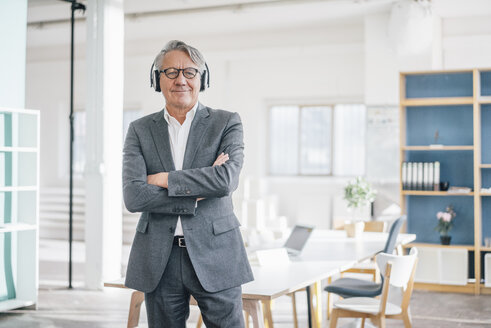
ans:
(345, 60)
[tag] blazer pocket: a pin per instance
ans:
(142, 225)
(225, 224)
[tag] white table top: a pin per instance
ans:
(327, 253)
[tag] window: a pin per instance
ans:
(317, 140)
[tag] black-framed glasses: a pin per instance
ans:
(172, 72)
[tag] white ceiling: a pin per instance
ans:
(148, 19)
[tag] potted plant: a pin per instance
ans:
(357, 193)
(445, 224)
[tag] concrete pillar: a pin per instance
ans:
(103, 221)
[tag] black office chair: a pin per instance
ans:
(352, 287)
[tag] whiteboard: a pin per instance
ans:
(382, 143)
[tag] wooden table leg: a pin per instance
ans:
(268, 314)
(137, 299)
(315, 304)
(253, 307)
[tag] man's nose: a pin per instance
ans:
(180, 79)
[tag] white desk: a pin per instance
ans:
(327, 253)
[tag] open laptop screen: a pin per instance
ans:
(298, 238)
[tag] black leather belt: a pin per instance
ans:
(179, 241)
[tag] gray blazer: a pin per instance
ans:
(211, 229)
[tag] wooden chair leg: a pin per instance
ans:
(334, 319)
(329, 301)
(253, 307)
(294, 306)
(362, 322)
(382, 321)
(137, 299)
(407, 320)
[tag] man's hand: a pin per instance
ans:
(158, 179)
(221, 159)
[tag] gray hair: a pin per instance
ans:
(194, 53)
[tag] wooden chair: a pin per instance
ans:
(350, 287)
(398, 272)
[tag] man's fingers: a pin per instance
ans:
(222, 158)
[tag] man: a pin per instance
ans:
(180, 166)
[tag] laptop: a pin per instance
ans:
(282, 255)
(297, 239)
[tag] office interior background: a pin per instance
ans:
(316, 83)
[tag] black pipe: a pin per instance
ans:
(75, 6)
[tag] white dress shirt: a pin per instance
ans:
(178, 135)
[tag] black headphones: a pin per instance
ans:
(155, 78)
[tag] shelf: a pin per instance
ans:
(467, 289)
(468, 247)
(433, 193)
(437, 101)
(5, 110)
(18, 188)
(19, 149)
(9, 227)
(485, 249)
(435, 147)
(13, 304)
(484, 100)
(485, 194)
(485, 166)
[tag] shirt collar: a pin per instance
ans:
(189, 115)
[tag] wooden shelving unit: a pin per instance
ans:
(455, 108)
(433, 193)
(437, 147)
(19, 206)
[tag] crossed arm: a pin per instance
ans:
(176, 192)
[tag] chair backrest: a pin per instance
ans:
(393, 233)
(399, 272)
(402, 266)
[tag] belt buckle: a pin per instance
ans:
(181, 242)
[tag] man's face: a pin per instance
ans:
(180, 93)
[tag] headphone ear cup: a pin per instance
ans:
(156, 80)
(203, 81)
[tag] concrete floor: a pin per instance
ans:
(60, 307)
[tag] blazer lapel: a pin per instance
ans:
(195, 138)
(160, 134)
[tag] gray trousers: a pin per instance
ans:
(168, 305)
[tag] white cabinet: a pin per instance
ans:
(19, 207)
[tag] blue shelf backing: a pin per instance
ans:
(422, 218)
(486, 83)
(486, 178)
(486, 133)
(439, 85)
(486, 218)
(456, 167)
(453, 123)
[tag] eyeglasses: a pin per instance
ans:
(188, 72)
